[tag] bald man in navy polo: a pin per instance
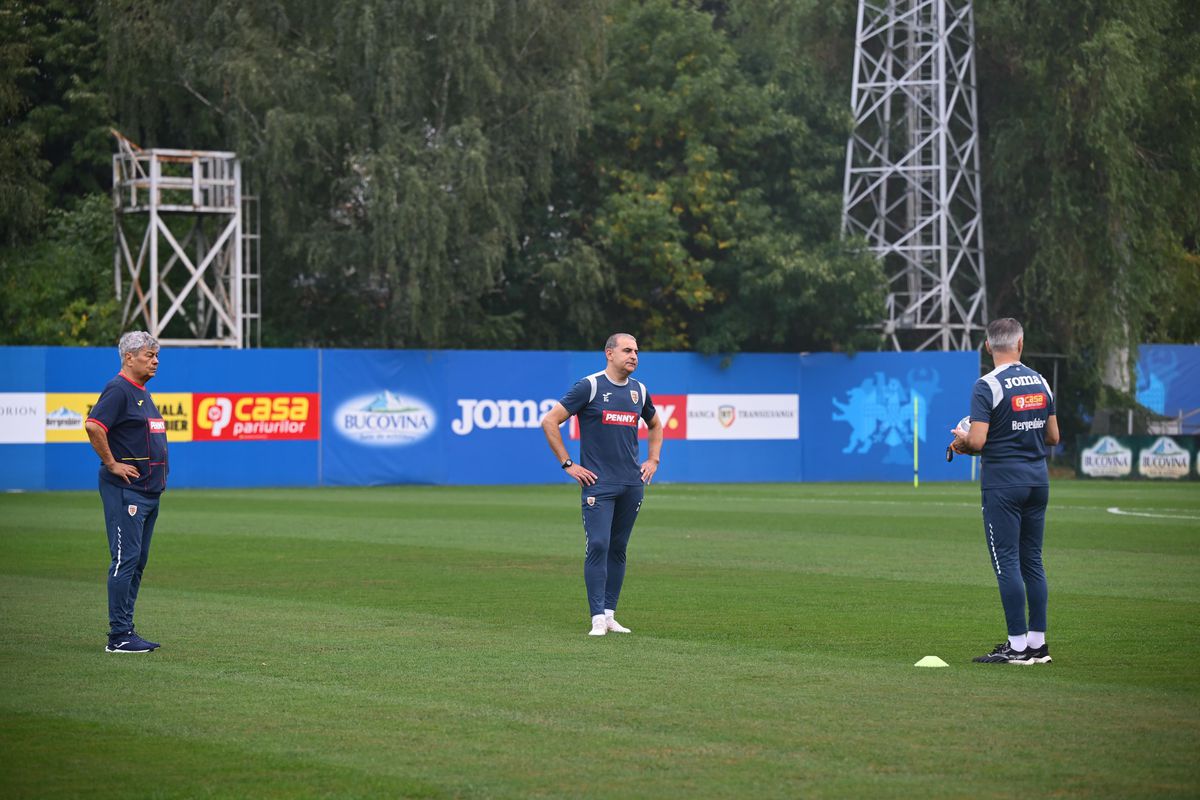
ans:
(609, 405)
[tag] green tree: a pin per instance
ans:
(395, 146)
(68, 97)
(22, 193)
(704, 190)
(56, 283)
(59, 290)
(1091, 121)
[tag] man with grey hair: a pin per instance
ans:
(130, 437)
(1012, 424)
(609, 403)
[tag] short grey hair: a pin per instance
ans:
(135, 342)
(611, 344)
(1003, 334)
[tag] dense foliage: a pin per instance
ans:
(1092, 156)
(476, 173)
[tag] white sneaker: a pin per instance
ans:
(599, 626)
(615, 626)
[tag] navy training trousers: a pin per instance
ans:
(1014, 520)
(609, 511)
(129, 517)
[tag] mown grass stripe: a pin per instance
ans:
(427, 641)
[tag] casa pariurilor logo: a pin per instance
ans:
(385, 419)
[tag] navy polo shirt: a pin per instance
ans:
(136, 431)
(1016, 403)
(608, 426)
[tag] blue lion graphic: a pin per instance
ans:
(880, 411)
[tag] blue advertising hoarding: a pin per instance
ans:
(473, 417)
(367, 417)
(58, 385)
(1168, 381)
(863, 412)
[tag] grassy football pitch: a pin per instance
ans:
(430, 642)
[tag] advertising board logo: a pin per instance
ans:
(484, 415)
(672, 413)
(1028, 402)
(627, 418)
(1107, 458)
(1164, 459)
(11, 408)
(879, 411)
(22, 418)
(64, 419)
(65, 413)
(255, 417)
(743, 416)
(384, 419)
(726, 415)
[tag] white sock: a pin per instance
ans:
(1036, 638)
(597, 618)
(608, 612)
(1017, 642)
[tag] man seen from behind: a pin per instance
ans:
(1012, 425)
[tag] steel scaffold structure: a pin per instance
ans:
(912, 169)
(192, 279)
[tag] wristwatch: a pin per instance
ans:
(568, 463)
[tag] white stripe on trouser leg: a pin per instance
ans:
(992, 542)
(118, 566)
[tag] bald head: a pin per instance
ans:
(621, 351)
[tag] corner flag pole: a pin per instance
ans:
(916, 403)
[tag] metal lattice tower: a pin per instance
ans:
(912, 169)
(193, 280)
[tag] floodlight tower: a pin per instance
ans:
(912, 169)
(186, 208)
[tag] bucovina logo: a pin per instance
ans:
(1107, 458)
(384, 419)
(1164, 459)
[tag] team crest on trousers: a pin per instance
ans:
(132, 510)
(633, 395)
(591, 501)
